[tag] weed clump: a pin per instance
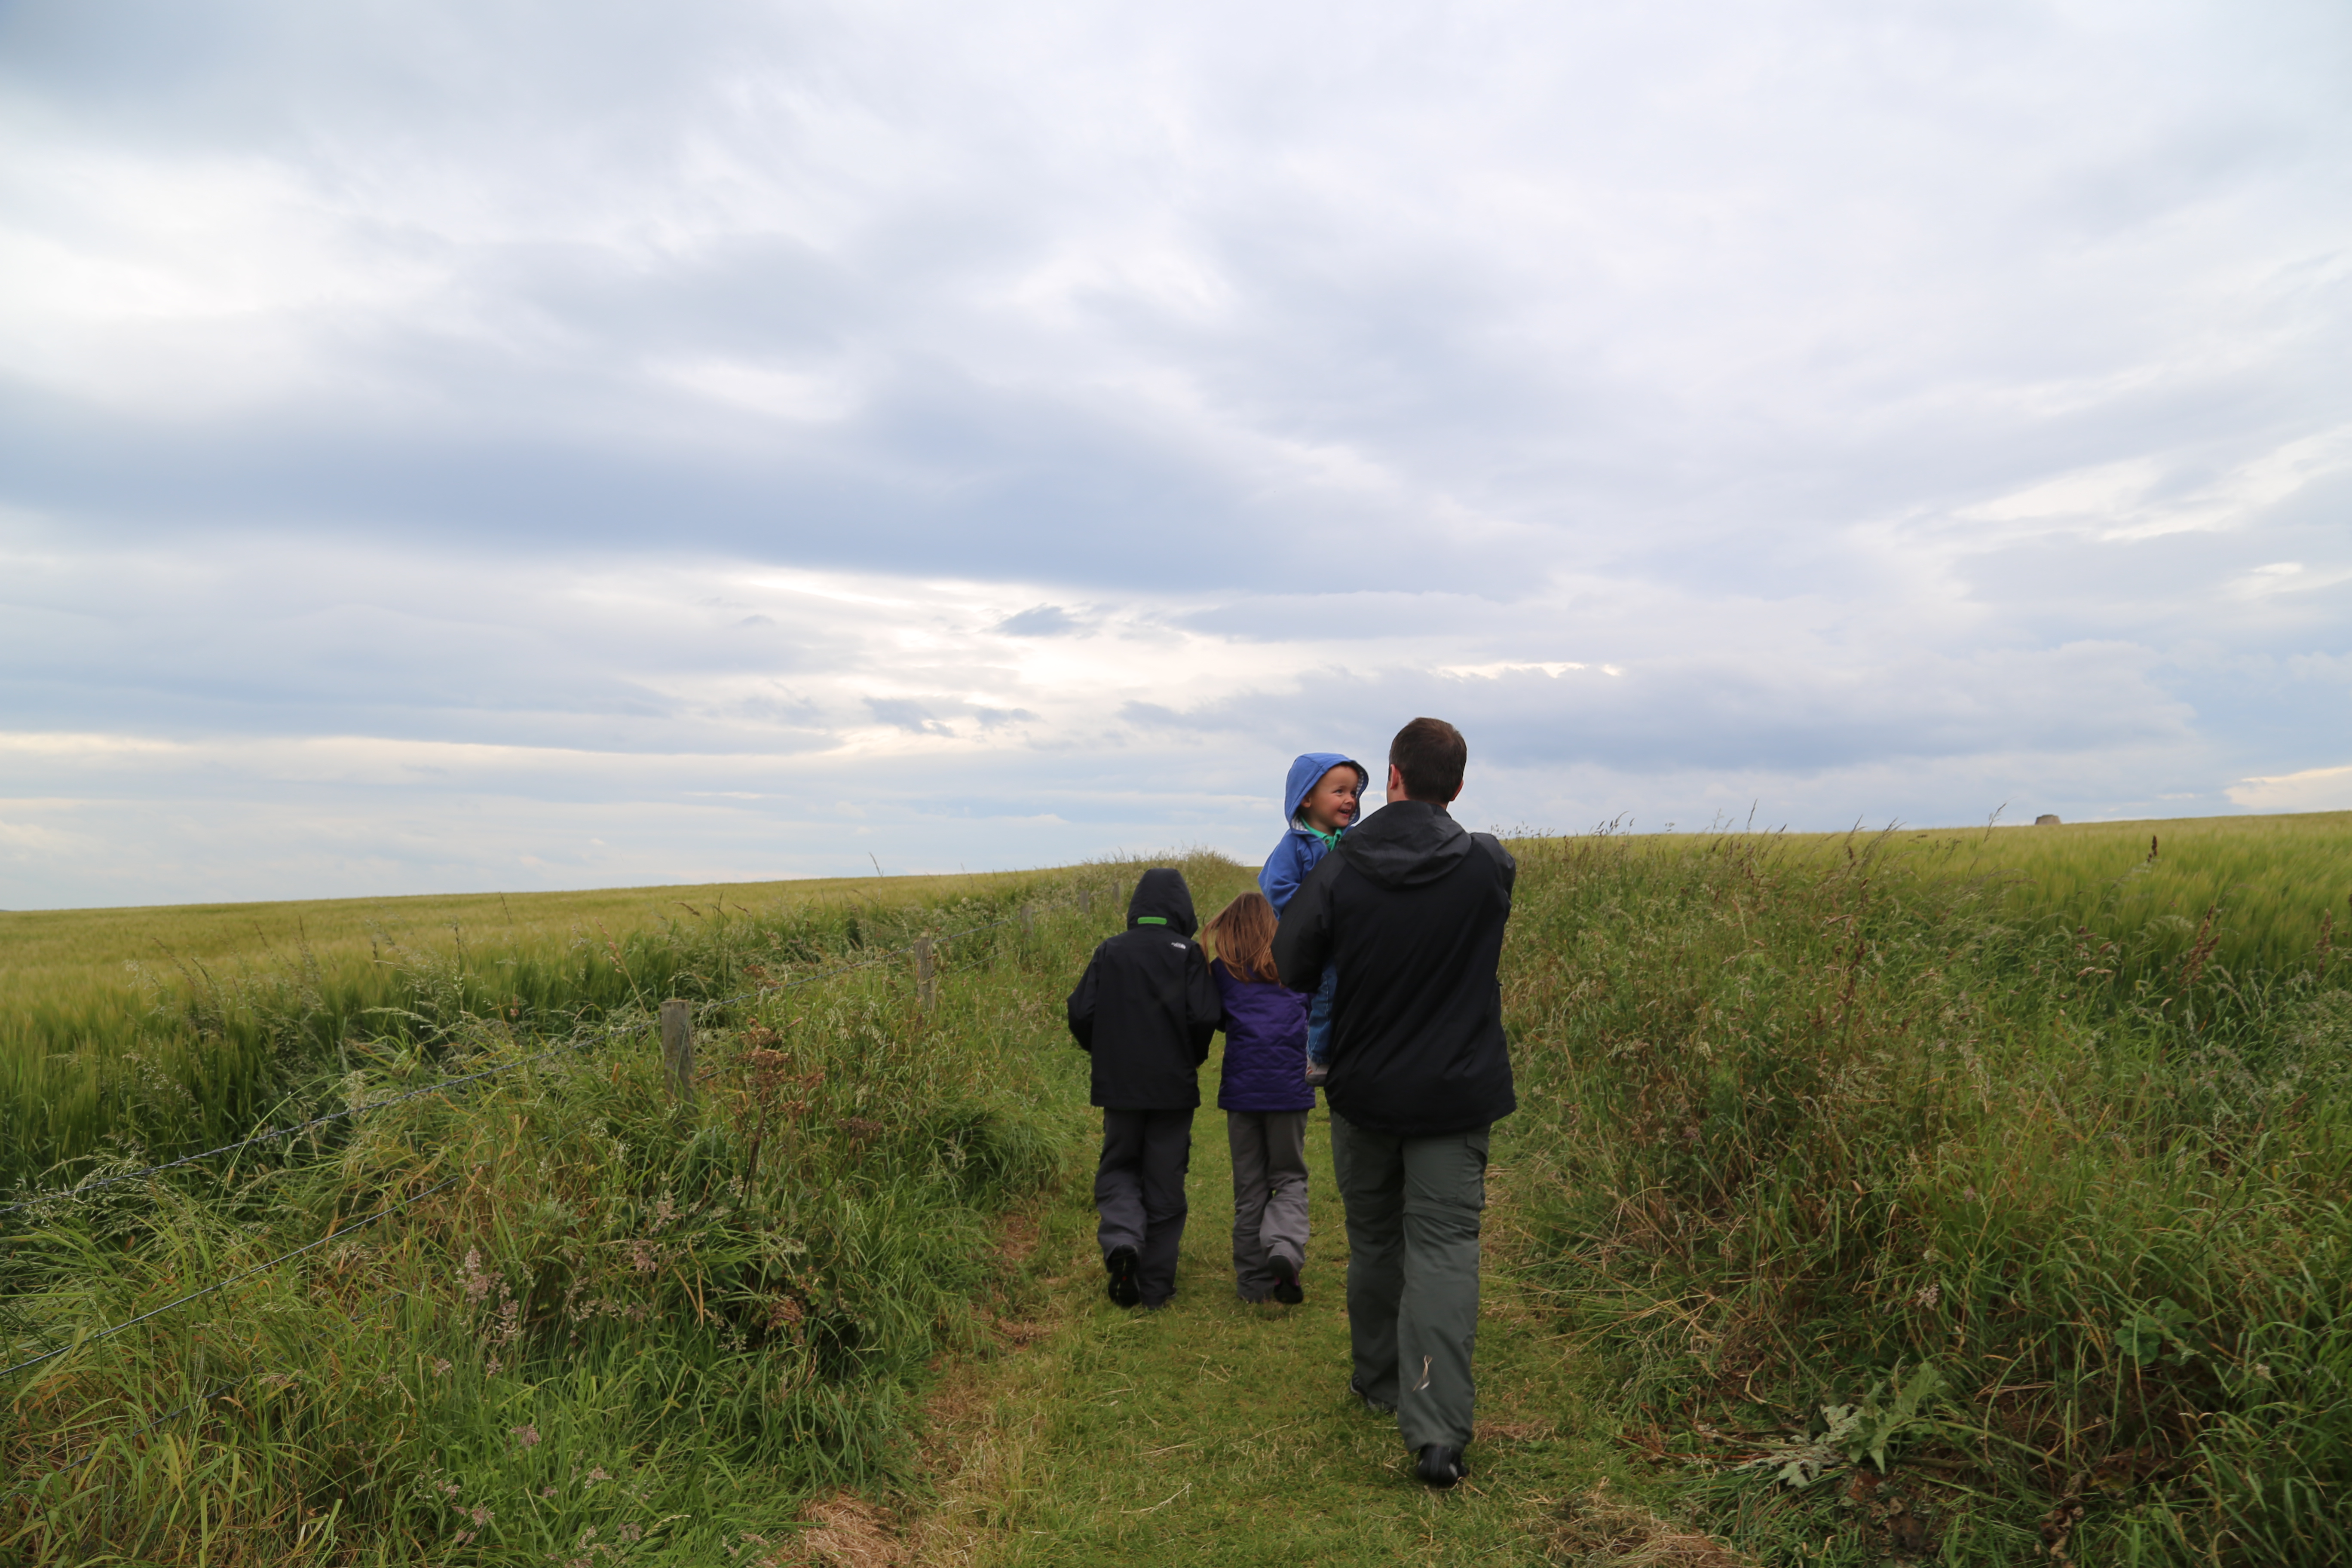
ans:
(1847, 1169)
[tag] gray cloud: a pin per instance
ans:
(1909, 408)
(1039, 621)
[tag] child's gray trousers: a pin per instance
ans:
(1270, 1194)
(1140, 1193)
(1413, 1207)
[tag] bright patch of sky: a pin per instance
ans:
(565, 445)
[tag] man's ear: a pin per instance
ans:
(1396, 783)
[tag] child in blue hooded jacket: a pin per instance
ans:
(1319, 800)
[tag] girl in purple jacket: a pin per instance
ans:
(1265, 1098)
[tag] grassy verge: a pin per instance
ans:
(1218, 1432)
(131, 1033)
(1847, 1166)
(601, 1327)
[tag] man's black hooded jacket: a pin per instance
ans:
(1147, 1005)
(1410, 908)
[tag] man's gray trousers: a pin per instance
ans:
(1140, 1193)
(1412, 1273)
(1269, 1195)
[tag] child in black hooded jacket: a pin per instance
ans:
(1145, 1010)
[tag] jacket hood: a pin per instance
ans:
(1304, 770)
(1162, 895)
(1405, 844)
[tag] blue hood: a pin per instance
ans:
(1305, 770)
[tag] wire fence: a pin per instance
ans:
(1080, 900)
(1025, 915)
(272, 1135)
(332, 1234)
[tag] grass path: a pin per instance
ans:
(1218, 1432)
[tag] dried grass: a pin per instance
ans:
(1597, 1531)
(850, 1533)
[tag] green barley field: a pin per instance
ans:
(1958, 1196)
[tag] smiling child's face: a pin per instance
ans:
(1330, 805)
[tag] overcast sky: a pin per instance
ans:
(520, 444)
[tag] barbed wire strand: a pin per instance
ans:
(635, 1026)
(272, 1135)
(333, 1235)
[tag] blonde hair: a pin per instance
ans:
(1242, 935)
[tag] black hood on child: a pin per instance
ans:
(1147, 1005)
(1164, 897)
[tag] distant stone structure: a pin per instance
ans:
(2047, 820)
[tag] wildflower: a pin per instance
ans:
(631, 1531)
(477, 1284)
(527, 1435)
(440, 1366)
(547, 1491)
(597, 1475)
(1929, 1294)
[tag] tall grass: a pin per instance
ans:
(626, 1329)
(1805, 1118)
(2256, 893)
(131, 1034)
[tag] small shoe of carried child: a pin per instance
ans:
(1266, 1099)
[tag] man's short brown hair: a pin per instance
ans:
(1430, 755)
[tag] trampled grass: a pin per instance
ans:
(1220, 1432)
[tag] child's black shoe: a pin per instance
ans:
(1316, 1075)
(1440, 1465)
(1121, 1261)
(1286, 1279)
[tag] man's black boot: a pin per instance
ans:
(1440, 1465)
(1120, 1261)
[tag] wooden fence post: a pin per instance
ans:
(678, 1048)
(927, 975)
(1028, 921)
(1086, 899)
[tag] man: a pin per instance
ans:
(1409, 909)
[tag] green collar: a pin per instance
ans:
(1150, 920)
(1330, 841)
